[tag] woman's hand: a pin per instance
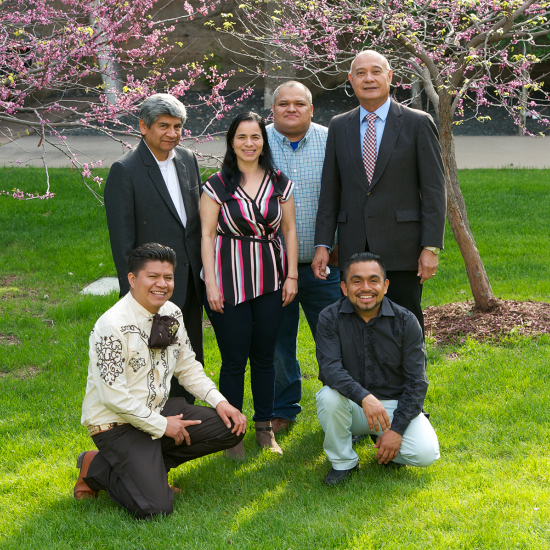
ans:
(214, 297)
(290, 289)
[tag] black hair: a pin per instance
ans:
(363, 257)
(150, 252)
(231, 175)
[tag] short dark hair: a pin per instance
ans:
(360, 257)
(231, 175)
(150, 252)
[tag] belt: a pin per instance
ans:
(275, 241)
(94, 430)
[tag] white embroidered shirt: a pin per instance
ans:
(127, 381)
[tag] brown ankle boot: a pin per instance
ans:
(236, 452)
(81, 490)
(266, 438)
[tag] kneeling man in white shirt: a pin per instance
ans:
(141, 433)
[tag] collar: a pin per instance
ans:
(162, 163)
(282, 138)
(382, 111)
(385, 308)
(139, 308)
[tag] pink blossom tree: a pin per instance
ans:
(68, 64)
(464, 52)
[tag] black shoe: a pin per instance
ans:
(334, 477)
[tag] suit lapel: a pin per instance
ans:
(156, 176)
(353, 133)
(389, 139)
(183, 178)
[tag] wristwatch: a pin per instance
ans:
(433, 249)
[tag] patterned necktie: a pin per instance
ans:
(369, 146)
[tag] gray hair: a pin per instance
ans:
(159, 105)
(388, 66)
(292, 84)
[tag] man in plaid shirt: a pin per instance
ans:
(298, 148)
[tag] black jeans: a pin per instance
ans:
(249, 331)
(133, 468)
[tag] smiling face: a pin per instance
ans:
(292, 112)
(365, 287)
(153, 285)
(162, 136)
(370, 79)
(248, 142)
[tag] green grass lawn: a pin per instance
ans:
(489, 404)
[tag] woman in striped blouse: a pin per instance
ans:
(248, 276)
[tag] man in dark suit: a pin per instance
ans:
(152, 195)
(383, 185)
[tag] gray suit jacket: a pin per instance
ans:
(404, 207)
(140, 210)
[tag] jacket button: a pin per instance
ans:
(186, 264)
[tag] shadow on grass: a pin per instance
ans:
(264, 498)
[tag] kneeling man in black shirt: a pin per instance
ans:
(372, 362)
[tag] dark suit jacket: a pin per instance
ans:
(140, 210)
(404, 207)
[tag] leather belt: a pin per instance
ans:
(94, 430)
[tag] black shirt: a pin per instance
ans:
(385, 357)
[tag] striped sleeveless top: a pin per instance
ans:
(250, 259)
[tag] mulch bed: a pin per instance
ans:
(455, 322)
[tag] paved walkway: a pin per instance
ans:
(471, 151)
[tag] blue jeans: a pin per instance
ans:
(314, 295)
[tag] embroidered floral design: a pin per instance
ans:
(188, 344)
(135, 330)
(176, 353)
(136, 363)
(109, 359)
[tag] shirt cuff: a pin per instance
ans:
(214, 397)
(399, 425)
(159, 427)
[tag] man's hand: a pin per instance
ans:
(388, 445)
(333, 256)
(226, 412)
(175, 428)
(320, 262)
(376, 414)
(427, 265)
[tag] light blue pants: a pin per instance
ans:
(341, 418)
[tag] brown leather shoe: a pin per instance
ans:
(236, 452)
(266, 438)
(81, 490)
(279, 424)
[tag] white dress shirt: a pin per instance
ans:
(168, 171)
(128, 382)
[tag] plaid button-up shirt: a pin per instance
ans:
(304, 167)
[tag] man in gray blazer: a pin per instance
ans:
(383, 186)
(152, 195)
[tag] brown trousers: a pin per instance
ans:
(133, 468)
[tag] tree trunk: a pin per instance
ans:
(456, 211)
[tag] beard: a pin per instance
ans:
(361, 307)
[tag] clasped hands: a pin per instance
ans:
(176, 427)
(389, 442)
